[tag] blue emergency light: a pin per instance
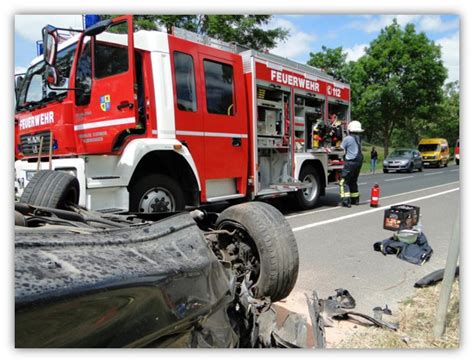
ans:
(39, 47)
(89, 20)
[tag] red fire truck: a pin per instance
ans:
(151, 122)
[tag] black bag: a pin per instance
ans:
(417, 253)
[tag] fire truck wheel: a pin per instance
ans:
(156, 193)
(51, 189)
(308, 197)
(262, 247)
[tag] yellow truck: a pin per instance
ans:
(434, 152)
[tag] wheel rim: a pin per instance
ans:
(157, 200)
(241, 252)
(309, 193)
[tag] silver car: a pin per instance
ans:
(403, 159)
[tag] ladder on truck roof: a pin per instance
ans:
(247, 52)
(207, 40)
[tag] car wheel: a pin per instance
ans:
(264, 240)
(410, 168)
(308, 198)
(156, 193)
(438, 165)
(51, 189)
(420, 168)
(446, 164)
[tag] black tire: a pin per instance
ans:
(446, 164)
(438, 165)
(410, 168)
(51, 189)
(172, 194)
(271, 235)
(305, 199)
(420, 169)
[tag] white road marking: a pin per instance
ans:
(438, 172)
(454, 171)
(311, 225)
(368, 200)
(405, 177)
(361, 183)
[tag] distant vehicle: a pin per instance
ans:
(403, 159)
(456, 152)
(434, 151)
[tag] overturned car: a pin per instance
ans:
(192, 279)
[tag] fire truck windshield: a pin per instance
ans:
(34, 90)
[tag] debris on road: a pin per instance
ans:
(433, 278)
(336, 306)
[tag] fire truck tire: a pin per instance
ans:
(308, 198)
(166, 190)
(267, 231)
(51, 189)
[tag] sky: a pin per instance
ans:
(307, 33)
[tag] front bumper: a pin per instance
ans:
(396, 167)
(427, 162)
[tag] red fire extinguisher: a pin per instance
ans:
(374, 196)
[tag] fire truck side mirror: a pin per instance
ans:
(18, 82)
(50, 44)
(51, 76)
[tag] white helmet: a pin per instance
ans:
(354, 126)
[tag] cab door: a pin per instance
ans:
(225, 125)
(106, 104)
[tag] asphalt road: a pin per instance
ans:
(336, 244)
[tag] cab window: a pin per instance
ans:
(84, 75)
(219, 79)
(185, 82)
(111, 59)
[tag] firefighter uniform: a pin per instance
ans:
(348, 187)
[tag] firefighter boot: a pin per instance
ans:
(355, 200)
(346, 202)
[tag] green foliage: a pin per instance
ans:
(332, 61)
(246, 30)
(398, 84)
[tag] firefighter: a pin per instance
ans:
(351, 144)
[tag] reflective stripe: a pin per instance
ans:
(210, 134)
(354, 195)
(94, 125)
(375, 198)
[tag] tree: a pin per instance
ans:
(245, 30)
(446, 125)
(332, 61)
(400, 79)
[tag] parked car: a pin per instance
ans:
(403, 159)
(456, 152)
(435, 152)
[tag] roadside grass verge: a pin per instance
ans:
(416, 317)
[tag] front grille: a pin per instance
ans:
(30, 143)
